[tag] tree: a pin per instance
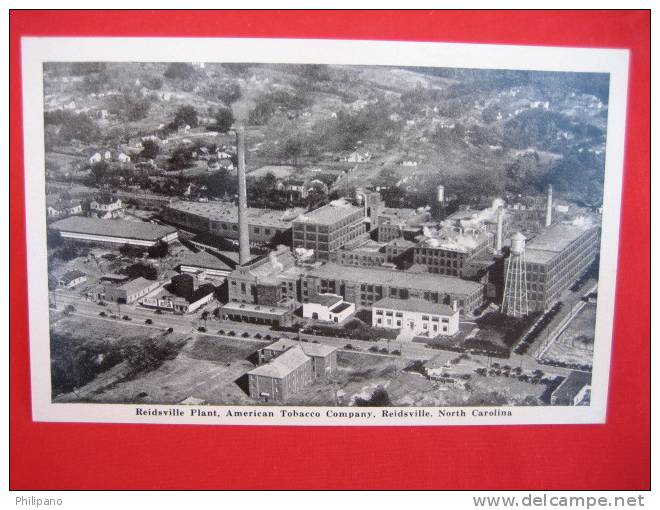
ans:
(205, 317)
(293, 148)
(99, 171)
(379, 398)
(230, 93)
(53, 238)
(159, 250)
(181, 158)
(150, 150)
(186, 116)
(179, 71)
(143, 270)
(154, 83)
(224, 118)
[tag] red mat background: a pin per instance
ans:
(615, 455)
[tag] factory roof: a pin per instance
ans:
(330, 213)
(414, 305)
(204, 260)
(136, 285)
(552, 241)
(400, 279)
(283, 365)
(225, 211)
(309, 348)
(113, 228)
(326, 300)
(234, 306)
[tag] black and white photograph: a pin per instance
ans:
(249, 236)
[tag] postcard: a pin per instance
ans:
(321, 232)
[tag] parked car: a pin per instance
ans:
(148, 321)
(126, 318)
(201, 329)
(103, 314)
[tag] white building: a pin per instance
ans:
(328, 307)
(71, 279)
(107, 208)
(416, 316)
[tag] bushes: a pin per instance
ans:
(379, 398)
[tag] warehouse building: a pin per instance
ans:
(365, 285)
(324, 357)
(556, 259)
(277, 316)
(114, 232)
(415, 316)
(328, 228)
(282, 377)
(221, 219)
(129, 292)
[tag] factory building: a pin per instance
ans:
(401, 222)
(415, 316)
(221, 219)
(113, 232)
(556, 259)
(448, 253)
(328, 228)
(273, 280)
(364, 286)
(369, 254)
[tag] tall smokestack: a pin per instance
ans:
(498, 236)
(548, 207)
(243, 234)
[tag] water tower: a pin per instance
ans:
(514, 302)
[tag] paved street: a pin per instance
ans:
(189, 323)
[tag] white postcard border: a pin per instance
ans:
(37, 50)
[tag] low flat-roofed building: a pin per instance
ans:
(221, 219)
(329, 308)
(282, 377)
(366, 285)
(324, 357)
(415, 316)
(258, 314)
(114, 232)
(328, 228)
(575, 390)
(130, 291)
(71, 279)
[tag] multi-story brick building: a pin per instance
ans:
(369, 254)
(366, 285)
(328, 228)
(556, 259)
(400, 222)
(447, 255)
